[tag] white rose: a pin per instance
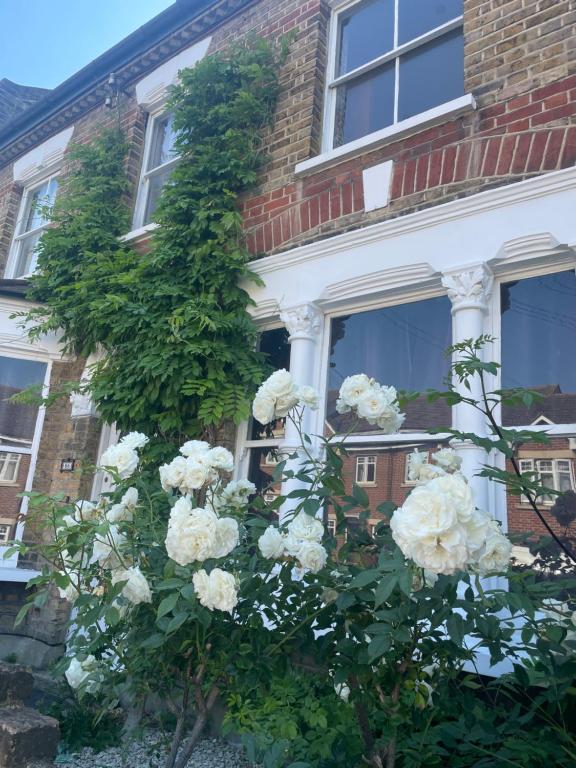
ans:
(285, 403)
(220, 458)
(428, 472)
(172, 475)
(216, 590)
(271, 543)
(191, 533)
(391, 420)
(194, 448)
(308, 396)
(495, 555)
(227, 537)
(85, 510)
(78, 671)
(446, 553)
(236, 494)
(352, 389)
(306, 527)
(130, 498)
(373, 405)
(342, 407)
(448, 459)
(118, 513)
(279, 384)
(196, 475)
(343, 691)
(134, 440)
(105, 548)
(263, 408)
(136, 589)
(292, 544)
(312, 556)
(122, 458)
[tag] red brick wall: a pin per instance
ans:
(9, 499)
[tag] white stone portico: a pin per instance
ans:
(462, 249)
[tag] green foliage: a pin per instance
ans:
(178, 341)
(83, 724)
(297, 720)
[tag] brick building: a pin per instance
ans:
(419, 189)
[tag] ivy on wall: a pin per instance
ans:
(177, 341)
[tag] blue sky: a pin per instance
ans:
(43, 42)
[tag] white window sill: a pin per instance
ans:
(388, 135)
(140, 233)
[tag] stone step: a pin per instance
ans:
(26, 736)
(16, 683)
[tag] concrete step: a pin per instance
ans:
(16, 683)
(26, 736)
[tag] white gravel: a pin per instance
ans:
(150, 752)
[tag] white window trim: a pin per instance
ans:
(5, 539)
(138, 226)
(534, 468)
(398, 128)
(14, 479)
(19, 233)
(366, 460)
(8, 567)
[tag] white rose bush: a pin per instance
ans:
(184, 581)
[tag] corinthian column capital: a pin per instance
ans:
(303, 321)
(469, 288)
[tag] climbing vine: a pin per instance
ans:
(176, 342)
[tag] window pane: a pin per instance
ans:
(163, 137)
(431, 75)
(155, 185)
(26, 261)
(364, 105)
(274, 344)
(17, 422)
(365, 32)
(538, 330)
(415, 17)
(42, 196)
(403, 346)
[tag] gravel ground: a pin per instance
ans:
(150, 752)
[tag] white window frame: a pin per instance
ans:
(363, 463)
(394, 54)
(533, 466)
(5, 530)
(8, 566)
(13, 479)
(146, 175)
(20, 234)
(407, 481)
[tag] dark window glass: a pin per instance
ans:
(431, 75)
(416, 17)
(364, 105)
(364, 34)
(274, 344)
(403, 346)
(538, 337)
(17, 422)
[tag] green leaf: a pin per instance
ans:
(384, 590)
(364, 578)
(167, 604)
(177, 622)
(378, 647)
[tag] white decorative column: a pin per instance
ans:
(304, 323)
(469, 291)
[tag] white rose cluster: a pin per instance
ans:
(376, 403)
(106, 546)
(216, 590)
(197, 466)
(301, 540)
(443, 462)
(439, 528)
(279, 394)
(123, 457)
(198, 534)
